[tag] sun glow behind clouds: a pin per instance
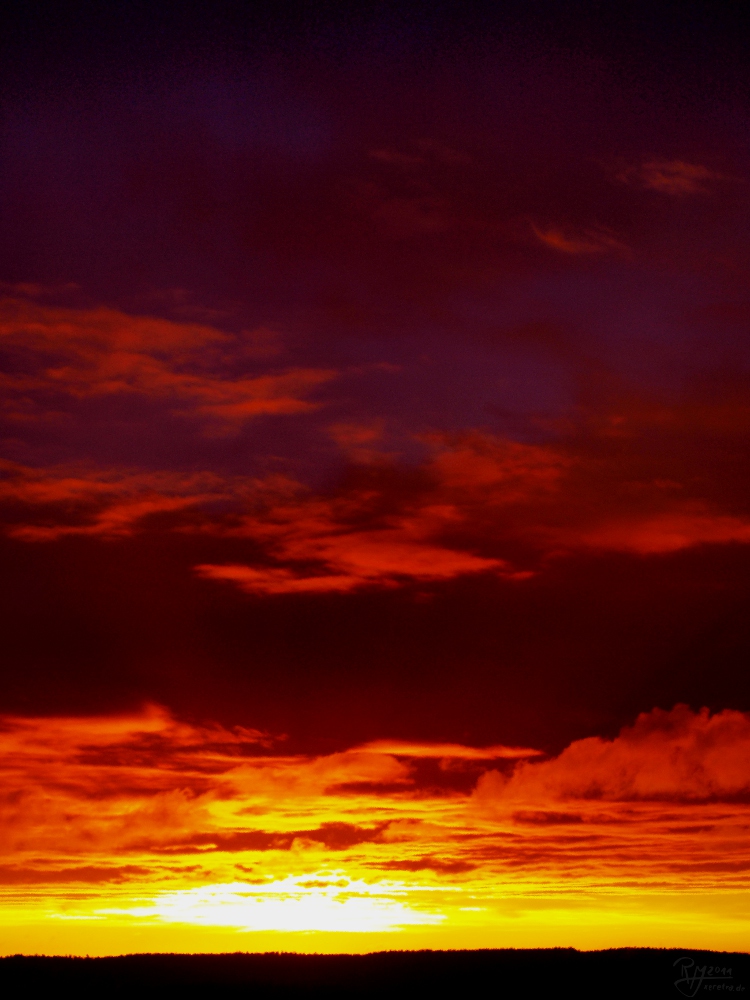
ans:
(323, 901)
(134, 828)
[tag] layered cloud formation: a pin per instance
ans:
(630, 481)
(377, 387)
(159, 814)
(672, 756)
(78, 354)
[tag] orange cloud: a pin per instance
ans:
(165, 820)
(449, 751)
(148, 779)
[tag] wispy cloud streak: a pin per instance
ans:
(191, 368)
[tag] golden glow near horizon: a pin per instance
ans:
(322, 901)
(146, 833)
(374, 392)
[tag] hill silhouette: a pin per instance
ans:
(625, 972)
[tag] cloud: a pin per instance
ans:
(11, 875)
(359, 441)
(89, 353)
(586, 241)
(676, 756)
(277, 581)
(430, 151)
(632, 478)
(368, 560)
(399, 748)
(375, 534)
(333, 836)
(143, 800)
(73, 500)
(484, 504)
(497, 470)
(429, 864)
(626, 477)
(147, 784)
(672, 177)
(394, 158)
(669, 532)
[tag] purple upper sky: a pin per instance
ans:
(386, 369)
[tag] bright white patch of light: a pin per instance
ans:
(322, 902)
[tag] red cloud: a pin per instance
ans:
(99, 352)
(367, 559)
(365, 537)
(587, 241)
(63, 501)
(632, 480)
(673, 177)
(668, 532)
(480, 498)
(351, 545)
(277, 581)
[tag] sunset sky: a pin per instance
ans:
(374, 476)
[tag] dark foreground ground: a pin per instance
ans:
(559, 972)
